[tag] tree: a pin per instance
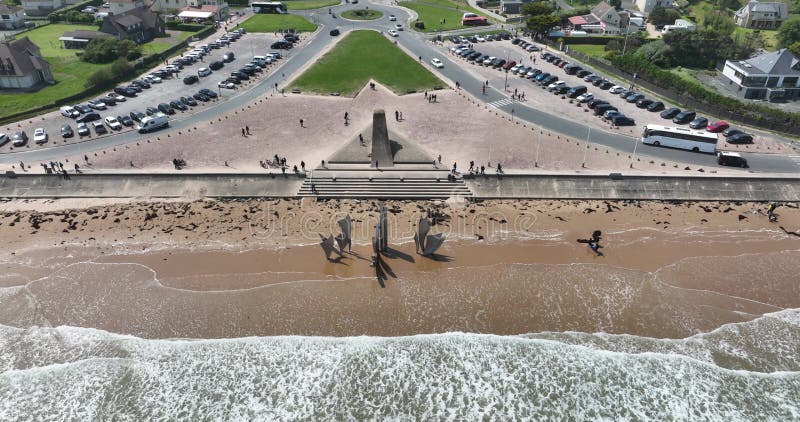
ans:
(795, 48)
(542, 24)
(100, 78)
(615, 3)
(701, 48)
(789, 31)
(536, 8)
(661, 16)
(655, 52)
(121, 67)
(100, 50)
(128, 49)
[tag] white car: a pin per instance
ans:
(392, 18)
(586, 97)
(437, 63)
(616, 89)
(394, 33)
(39, 136)
(555, 85)
(398, 27)
(514, 69)
(489, 60)
(480, 38)
(226, 85)
(69, 111)
(153, 79)
(203, 71)
(113, 123)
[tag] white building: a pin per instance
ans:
(761, 15)
(770, 76)
(647, 6)
(11, 17)
(214, 9)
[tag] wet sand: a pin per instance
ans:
(210, 269)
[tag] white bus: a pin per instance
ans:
(678, 137)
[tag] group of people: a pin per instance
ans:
(430, 97)
(54, 167)
(179, 163)
(246, 131)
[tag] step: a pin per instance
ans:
(385, 186)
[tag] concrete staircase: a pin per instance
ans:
(383, 185)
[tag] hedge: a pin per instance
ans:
(179, 26)
(58, 16)
(597, 40)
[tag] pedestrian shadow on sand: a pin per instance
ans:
(440, 258)
(396, 254)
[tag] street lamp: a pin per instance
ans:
(588, 135)
(635, 144)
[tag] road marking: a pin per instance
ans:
(502, 103)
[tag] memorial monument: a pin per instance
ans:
(425, 243)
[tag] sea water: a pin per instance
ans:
(744, 371)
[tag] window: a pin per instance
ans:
(790, 81)
(6, 17)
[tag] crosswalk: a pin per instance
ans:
(502, 103)
(795, 159)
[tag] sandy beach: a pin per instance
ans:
(214, 269)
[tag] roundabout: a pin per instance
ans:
(362, 14)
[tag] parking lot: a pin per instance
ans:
(539, 97)
(170, 89)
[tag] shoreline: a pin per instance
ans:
(226, 269)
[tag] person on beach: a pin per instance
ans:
(771, 212)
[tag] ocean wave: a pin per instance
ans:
(85, 374)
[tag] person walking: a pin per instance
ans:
(303, 165)
(440, 158)
(301, 123)
(397, 115)
(243, 134)
(483, 89)
(247, 129)
(483, 170)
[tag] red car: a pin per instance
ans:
(718, 126)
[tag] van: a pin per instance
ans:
(572, 69)
(260, 59)
(599, 110)
(725, 158)
(151, 123)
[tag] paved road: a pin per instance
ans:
(417, 45)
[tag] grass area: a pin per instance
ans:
(590, 50)
(770, 36)
(272, 23)
(309, 4)
(433, 15)
(364, 55)
(461, 6)
(158, 46)
(361, 14)
(68, 70)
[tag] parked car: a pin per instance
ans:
(740, 138)
(96, 104)
(176, 104)
(165, 108)
(655, 106)
(19, 139)
(202, 97)
(69, 111)
(596, 102)
(99, 128)
(283, 45)
(622, 121)
(113, 123)
(670, 113)
(66, 131)
(203, 71)
(633, 98)
(684, 117)
(216, 65)
(83, 130)
(151, 111)
(39, 136)
(125, 120)
(83, 109)
(612, 113)
(606, 85)
(718, 126)
(601, 109)
(228, 57)
(118, 97)
(226, 84)
(730, 132)
(734, 159)
(190, 79)
(88, 117)
(208, 92)
(109, 101)
(561, 90)
(143, 84)
(699, 123)
(585, 97)
(576, 91)
(4, 139)
(189, 101)
(555, 85)
(616, 89)
(137, 116)
(644, 103)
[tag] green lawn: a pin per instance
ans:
(770, 37)
(362, 55)
(364, 14)
(272, 23)
(309, 4)
(433, 15)
(590, 50)
(46, 37)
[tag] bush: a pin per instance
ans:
(100, 78)
(180, 26)
(105, 50)
(121, 68)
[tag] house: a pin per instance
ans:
(41, 7)
(769, 76)
(81, 38)
(201, 9)
(139, 25)
(761, 15)
(22, 66)
(11, 17)
(604, 19)
(512, 7)
(118, 7)
(647, 6)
